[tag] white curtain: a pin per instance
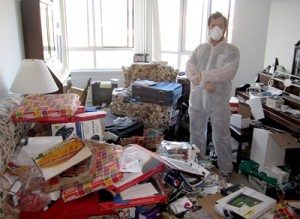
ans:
(139, 26)
(146, 28)
(64, 34)
(156, 43)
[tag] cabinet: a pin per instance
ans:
(43, 39)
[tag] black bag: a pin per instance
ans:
(135, 128)
(163, 93)
(181, 130)
(102, 92)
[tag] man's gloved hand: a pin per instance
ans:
(197, 79)
(209, 87)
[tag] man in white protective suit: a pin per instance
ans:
(210, 70)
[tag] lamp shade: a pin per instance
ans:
(33, 77)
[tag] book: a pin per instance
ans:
(61, 157)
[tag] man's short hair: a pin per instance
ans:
(217, 15)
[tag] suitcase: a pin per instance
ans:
(102, 92)
(163, 93)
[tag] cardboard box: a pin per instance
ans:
(85, 130)
(275, 172)
(245, 203)
(90, 129)
(238, 121)
(286, 140)
(265, 150)
(244, 110)
(40, 106)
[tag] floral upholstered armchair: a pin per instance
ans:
(10, 136)
(153, 115)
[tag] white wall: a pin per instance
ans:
(11, 43)
(250, 27)
(283, 32)
(79, 79)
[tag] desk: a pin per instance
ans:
(291, 98)
(291, 123)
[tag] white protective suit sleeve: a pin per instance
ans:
(225, 72)
(192, 72)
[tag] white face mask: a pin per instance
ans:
(216, 33)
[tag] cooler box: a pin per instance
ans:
(135, 128)
(163, 93)
(102, 92)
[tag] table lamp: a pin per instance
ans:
(33, 77)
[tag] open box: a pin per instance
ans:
(150, 167)
(268, 148)
(242, 118)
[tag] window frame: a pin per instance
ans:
(144, 32)
(92, 45)
(181, 51)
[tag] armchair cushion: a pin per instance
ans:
(152, 72)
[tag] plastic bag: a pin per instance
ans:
(176, 150)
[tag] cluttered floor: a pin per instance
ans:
(134, 182)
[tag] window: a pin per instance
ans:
(99, 33)
(183, 26)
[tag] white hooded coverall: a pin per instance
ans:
(217, 64)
